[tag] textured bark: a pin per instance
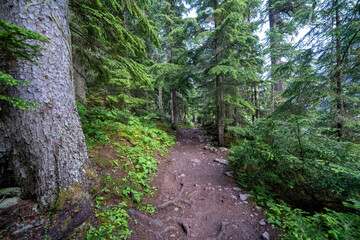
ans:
(45, 147)
(79, 79)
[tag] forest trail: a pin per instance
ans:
(196, 200)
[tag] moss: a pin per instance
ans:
(63, 197)
(80, 232)
(65, 223)
(102, 162)
(72, 195)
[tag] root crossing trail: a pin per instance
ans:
(196, 200)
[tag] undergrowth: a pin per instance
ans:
(308, 182)
(125, 149)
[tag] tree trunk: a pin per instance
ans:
(338, 80)
(45, 147)
(275, 21)
(175, 108)
(79, 80)
(160, 99)
(220, 111)
(256, 102)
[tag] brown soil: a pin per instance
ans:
(195, 200)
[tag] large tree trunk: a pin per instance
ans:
(45, 147)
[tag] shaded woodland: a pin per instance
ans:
(276, 82)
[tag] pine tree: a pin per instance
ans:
(226, 57)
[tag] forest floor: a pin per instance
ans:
(197, 200)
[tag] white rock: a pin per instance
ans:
(244, 197)
(223, 161)
(229, 174)
(233, 197)
(236, 189)
(172, 235)
(265, 236)
(8, 202)
(223, 149)
(176, 209)
(262, 222)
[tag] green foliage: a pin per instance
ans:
(186, 125)
(133, 143)
(14, 44)
(113, 224)
(297, 224)
(295, 157)
(292, 160)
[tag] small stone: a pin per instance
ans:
(176, 209)
(258, 208)
(246, 202)
(244, 197)
(196, 185)
(233, 197)
(236, 189)
(262, 222)
(251, 215)
(223, 161)
(182, 175)
(172, 235)
(265, 236)
(208, 188)
(229, 173)
(171, 198)
(8, 202)
(223, 149)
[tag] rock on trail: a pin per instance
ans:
(195, 200)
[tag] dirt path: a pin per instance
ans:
(196, 200)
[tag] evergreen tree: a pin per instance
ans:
(226, 57)
(110, 38)
(172, 68)
(322, 73)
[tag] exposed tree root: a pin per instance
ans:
(176, 199)
(182, 222)
(221, 231)
(163, 224)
